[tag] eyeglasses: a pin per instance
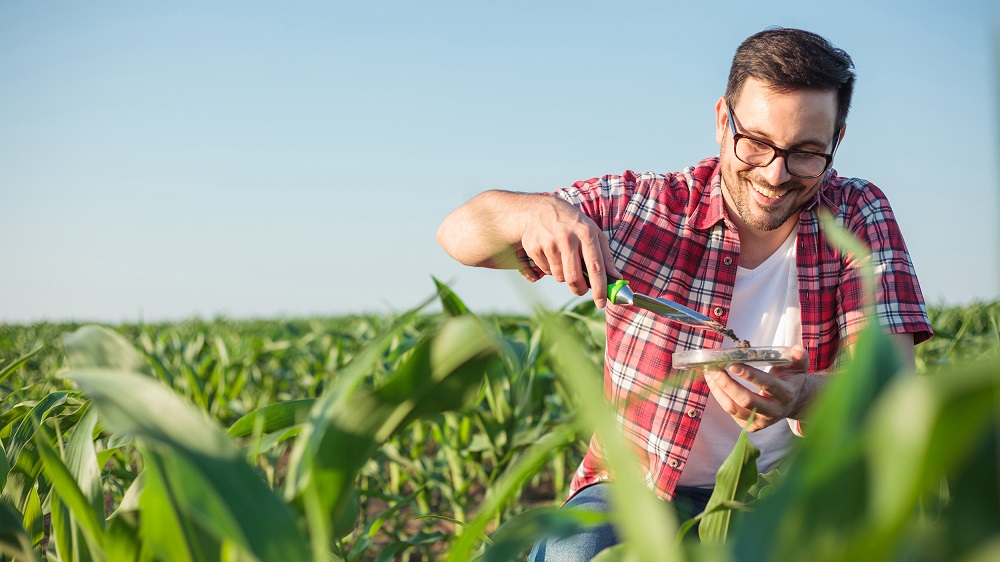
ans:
(799, 163)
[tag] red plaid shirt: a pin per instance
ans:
(671, 238)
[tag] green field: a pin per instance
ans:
(446, 436)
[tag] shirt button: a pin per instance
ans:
(692, 413)
(727, 260)
(718, 311)
(673, 463)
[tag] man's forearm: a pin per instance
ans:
(812, 385)
(557, 237)
(487, 230)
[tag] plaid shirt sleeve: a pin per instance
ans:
(899, 304)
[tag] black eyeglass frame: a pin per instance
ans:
(775, 151)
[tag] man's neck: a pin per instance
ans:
(758, 245)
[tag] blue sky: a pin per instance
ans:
(264, 159)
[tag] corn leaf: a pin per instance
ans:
(81, 460)
(121, 541)
(452, 305)
(129, 505)
(25, 464)
(78, 512)
(9, 368)
(4, 466)
(919, 433)
(195, 468)
(345, 428)
(971, 519)
(64, 537)
(617, 553)
(647, 523)
(14, 540)
(272, 417)
(15, 414)
(33, 516)
(201, 470)
(829, 468)
(99, 347)
(26, 428)
(164, 526)
(513, 538)
(521, 531)
(734, 478)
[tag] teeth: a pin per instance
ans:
(768, 192)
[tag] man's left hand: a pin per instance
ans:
(783, 392)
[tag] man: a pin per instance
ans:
(736, 237)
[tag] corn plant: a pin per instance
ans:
(197, 497)
(427, 437)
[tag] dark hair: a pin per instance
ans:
(793, 59)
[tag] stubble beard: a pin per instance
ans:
(773, 216)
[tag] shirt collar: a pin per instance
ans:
(710, 209)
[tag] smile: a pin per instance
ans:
(769, 193)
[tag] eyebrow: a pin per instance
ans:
(797, 146)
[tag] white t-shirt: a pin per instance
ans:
(764, 310)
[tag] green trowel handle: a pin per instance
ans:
(615, 285)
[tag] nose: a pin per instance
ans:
(776, 173)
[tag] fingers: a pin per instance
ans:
(768, 384)
(799, 364)
(585, 269)
(780, 392)
(573, 269)
(737, 401)
(741, 402)
(596, 254)
(565, 243)
(601, 266)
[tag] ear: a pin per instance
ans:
(840, 137)
(721, 119)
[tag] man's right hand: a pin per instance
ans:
(561, 240)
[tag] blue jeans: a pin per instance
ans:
(586, 544)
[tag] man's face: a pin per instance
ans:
(766, 197)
